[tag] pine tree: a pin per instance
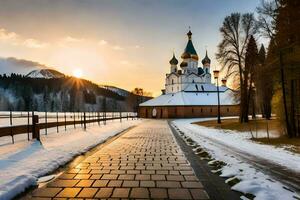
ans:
(287, 41)
(251, 61)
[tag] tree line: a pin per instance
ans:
(268, 79)
(21, 93)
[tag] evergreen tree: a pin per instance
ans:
(251, 61)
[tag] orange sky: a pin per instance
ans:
(125, 43)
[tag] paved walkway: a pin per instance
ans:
(143, 163)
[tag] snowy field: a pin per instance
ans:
(22, 163)
(252, 181)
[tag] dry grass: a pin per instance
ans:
(233, 124)
(282, 141)
(274, 126)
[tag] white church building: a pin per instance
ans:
(189, 91)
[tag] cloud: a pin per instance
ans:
(102, 42)
(72, 39)
(8, 36)
(137, 46)
(33, 43)
(117, 48)
(20, 66)
(15, 39)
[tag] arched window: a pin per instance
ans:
(206, 70)
(193, 81)
(172, 81)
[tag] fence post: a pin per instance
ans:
(81, 119)
(35, 127)
(84, 121)
(74, 120)
(65, 122)
(28, 125)
(120, 116)
(11, 129)
(46, 131)
(57, 130)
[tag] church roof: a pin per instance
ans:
(189, 51)
(173, 61)
(206, 59)
(192, 99)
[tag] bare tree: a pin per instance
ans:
(236, 31)
(267, 14)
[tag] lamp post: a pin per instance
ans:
(216, 76)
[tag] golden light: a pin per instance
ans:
(77, 73)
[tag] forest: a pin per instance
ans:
(268, 79)
(21, 93)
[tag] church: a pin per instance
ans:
(189, 91)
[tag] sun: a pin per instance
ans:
(77, 73)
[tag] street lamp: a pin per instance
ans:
(216, 76)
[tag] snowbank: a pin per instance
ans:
(22, 163)
(217, 142)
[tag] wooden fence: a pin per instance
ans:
(57, 120)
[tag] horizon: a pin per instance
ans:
(87, 38)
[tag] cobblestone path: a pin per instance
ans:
(144, 163)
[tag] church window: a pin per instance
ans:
(193, 81)
(206, 71)
(172, 89)
(172, 81)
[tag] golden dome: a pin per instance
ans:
(185, 55)
(183, 64)
(195, 57)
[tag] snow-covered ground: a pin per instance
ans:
(25, 161)
(252, 181)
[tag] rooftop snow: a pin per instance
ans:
(192, 99)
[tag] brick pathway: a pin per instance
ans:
(144, 163)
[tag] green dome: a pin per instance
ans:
(206, 59)
(189, 51)
(200, 71)
(173, 61)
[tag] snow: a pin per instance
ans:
(252, 180)
(192, 98)
(21, 164)
(45, 73)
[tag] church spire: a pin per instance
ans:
(189, 51)
(173, 61)
(206, 59)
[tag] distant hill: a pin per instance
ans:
(18, 92)
(44, 88)
(45, 73)
(117, 90)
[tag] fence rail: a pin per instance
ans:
(36, 121)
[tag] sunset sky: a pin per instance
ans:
(126, 43)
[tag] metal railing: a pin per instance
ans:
(31, 122)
